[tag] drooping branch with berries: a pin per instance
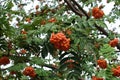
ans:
(96, 12)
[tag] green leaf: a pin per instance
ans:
(42, 72)
(38, 61)
(48, 27)
(18, 67)
(85, 24)
(51, 48)
(63, 66)
(91, 22)
(27, 27)
(101, 73)
(106, 49)
(84, 18)
(24, 78)
(36, 21)
(9, 4)
(107, 52)
(73, 75)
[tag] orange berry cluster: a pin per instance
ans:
(37, 12)
(68, 31)
(52, 20)
(43, 22)
(97, 13)
(54, 65)
(70, 65)
(13, 72)
(116, 71)
(23, 51)
(113, 42)
(4, 60)
(102, 63)
(23, 32)
(9, 45)
(29, 71)
(96, 78)
(60, 41)
(28, 20)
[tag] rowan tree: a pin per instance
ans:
(58, 40)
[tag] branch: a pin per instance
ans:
(76, 11)
(102, 30)
(118, 46)
(81, 9)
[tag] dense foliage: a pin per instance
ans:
(58, 40)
